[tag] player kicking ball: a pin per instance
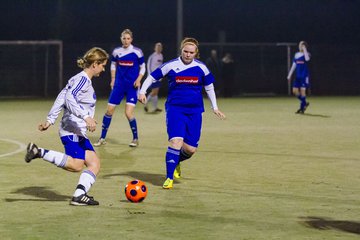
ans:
(77, 100)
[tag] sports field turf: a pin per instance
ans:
(264, 173)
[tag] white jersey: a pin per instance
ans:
(154, 61)
(78, 101)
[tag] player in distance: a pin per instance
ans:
(301, 81)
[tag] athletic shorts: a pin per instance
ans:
(185, 126)
(75, 146)
(301, 83)
(118, 93)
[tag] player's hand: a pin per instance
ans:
(219, 114)
(44, 126)
(137, 83)
(142, 98)
(90, 124)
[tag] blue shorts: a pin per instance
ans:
(75, 146)
(185, 126)
(301, 82)
(118, 93)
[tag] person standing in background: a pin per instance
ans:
(213, 63)
(301, 82)
(127, 70)
(155, 60)
(228, 75)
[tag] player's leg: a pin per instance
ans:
(131, 100)
(115, 98)
(175, 123)
(192, 137)
(155, 99)
(83, 153)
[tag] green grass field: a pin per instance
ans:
(264, 173)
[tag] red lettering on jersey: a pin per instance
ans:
(300, 62)
(188, 80)
(126, 63)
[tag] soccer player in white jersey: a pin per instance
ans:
(77, 100)
(155, 60)
(301, 82)
(184, 105)
(127, 70)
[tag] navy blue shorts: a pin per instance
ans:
(301, 83)
(185, 126)
(76, 146)
(118, 93)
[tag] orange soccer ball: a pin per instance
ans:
(135, 191)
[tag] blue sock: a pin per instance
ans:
(133, 127)
(184, 155)
(105, 125)
(303, 102)
(172, 160)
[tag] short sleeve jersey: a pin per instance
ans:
(302, 70)
(185, 83)
(128, 61)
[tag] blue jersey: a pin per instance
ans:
(185, 84)
(127, 63)
(302, 70)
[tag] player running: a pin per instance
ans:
(77, 100)
(184, 105)
(127, 70)
(301, 82)
(155, 60)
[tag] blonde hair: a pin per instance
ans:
(93, 55)
(127, 31)
(191, 41)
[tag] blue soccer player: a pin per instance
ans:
(127, 70)
(184, 105)
(77, 100)
(301, 82)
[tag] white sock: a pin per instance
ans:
(86, 180)
(155, 101)
(57, 158)
(149, 99)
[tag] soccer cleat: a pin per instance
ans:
(177, 172)
(32, 152)
(158, 110)
(83, 200)
(306, 106)
(300, 111)
(100, 142)
(146, 109)
(134, 143)
(168, 183)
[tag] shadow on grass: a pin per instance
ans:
(155, 179)
(316, 115)
(327, 223)
(41, 194)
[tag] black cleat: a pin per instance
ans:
(300, 111)
(306, 105)
(158, 110)
(83, 200)
(32, 152)
(146, 109)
